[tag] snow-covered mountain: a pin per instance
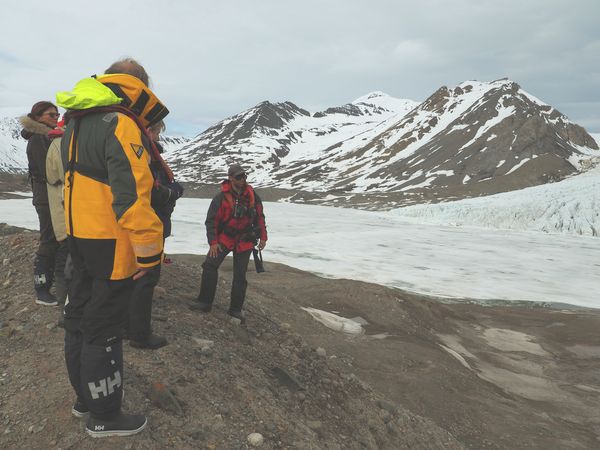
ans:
(271, 136)
(479, 138)
(172, 142)
(476, 139)
(13, 158)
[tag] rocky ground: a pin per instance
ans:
(13, 183)
(422, 375)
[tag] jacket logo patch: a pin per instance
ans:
(138, 150)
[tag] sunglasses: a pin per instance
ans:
(241, 176)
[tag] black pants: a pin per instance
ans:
(210, 277)
(95, 316)
(140, 306)
(43, 265)
(61, 283)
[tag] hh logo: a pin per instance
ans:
(138, 150)
(99, 428)
(39, 279)
(105, 386)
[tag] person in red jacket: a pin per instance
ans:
(234, 220)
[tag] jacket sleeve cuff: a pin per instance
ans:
(149, 261)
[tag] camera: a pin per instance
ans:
(239, 210)
(254, 235)
(258, 261)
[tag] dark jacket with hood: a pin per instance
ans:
(38, 142)
(164, 194)
(231, 218)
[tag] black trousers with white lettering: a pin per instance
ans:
(96, 374)
(95, 316)
(43, 265)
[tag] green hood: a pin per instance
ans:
(86, 94)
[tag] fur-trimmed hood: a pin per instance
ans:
(31, 127)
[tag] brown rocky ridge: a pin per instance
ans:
(422, 374)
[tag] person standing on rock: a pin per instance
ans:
(36, 125)
(164, 195)
(234, 220)
(55, 178)
(115, 237)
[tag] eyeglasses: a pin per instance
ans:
(241, 176)
(55, 115)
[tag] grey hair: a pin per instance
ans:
(158, 127)
(131, 67)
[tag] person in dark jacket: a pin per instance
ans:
(36, 125)
(235, 218)
(164, 195)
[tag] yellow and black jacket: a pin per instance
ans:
(108, 179)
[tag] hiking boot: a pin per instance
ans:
(201, 307)
(120, 425)
(79, 409)
(237, 314)
(152, 342)
(45, 298)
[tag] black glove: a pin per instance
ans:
(176, 190)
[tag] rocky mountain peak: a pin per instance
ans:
(349, 109)
(273, 115)
(437, 100)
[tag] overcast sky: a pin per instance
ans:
(210, 60)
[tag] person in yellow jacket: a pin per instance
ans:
(114, 234)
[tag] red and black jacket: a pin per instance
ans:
(231, 218)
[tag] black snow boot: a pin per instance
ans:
(119, 425)
(151, 342)
(44, 297)
(201, 306)
(238, 315)
(42, 281)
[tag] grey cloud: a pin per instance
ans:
(211, 60)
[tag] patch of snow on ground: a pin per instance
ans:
(335, 322)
